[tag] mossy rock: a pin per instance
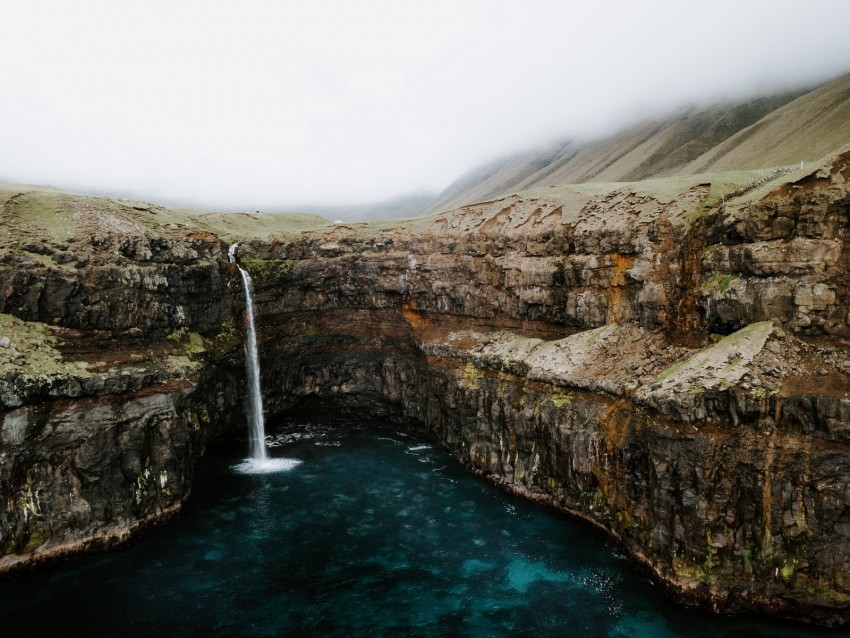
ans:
(30, 349)
(225, 342)
(719, 282)
(264, 271)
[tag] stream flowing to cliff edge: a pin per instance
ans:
(259, 460)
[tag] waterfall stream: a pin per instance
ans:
(256, 423)
(258, 460)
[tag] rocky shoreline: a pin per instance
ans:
(670, 365)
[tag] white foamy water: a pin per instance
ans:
(265, 466)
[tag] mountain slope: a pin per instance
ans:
(764, 132)
(808, 128)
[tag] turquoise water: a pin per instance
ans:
(372, 534)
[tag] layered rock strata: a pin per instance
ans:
(108, 390)
(653, 358)
(90, 456)
(616, 361)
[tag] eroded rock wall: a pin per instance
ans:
(784, 257)
(87, 471)
(736, 515)
(668, 365)
(120, 359)
(570, 357)
(118, 282)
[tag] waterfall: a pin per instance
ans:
(256, 424)
(258, 462)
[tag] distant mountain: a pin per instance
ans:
(777, 130)
(405, 206)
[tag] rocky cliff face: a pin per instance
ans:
(108, 390)
(669, 363)
(673, 369)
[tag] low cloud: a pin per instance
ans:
(270, 105)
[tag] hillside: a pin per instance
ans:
(806, 129)
(777, 130)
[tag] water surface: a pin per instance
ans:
(372, 534)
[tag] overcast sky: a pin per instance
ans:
(272, 104)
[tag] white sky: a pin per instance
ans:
(271, 104)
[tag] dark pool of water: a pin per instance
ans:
(372, 534)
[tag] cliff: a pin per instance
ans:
(108, 391)
(666, 359)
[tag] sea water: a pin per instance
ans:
(363, 532)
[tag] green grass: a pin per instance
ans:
(42, 212)
(664, 189)
(721, 364)
(718, 282)
(266, 270)
(45, 213)
(240, 226)
(35, 341)
(38, 213)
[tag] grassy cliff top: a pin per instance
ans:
(32, 214)
(42, 212)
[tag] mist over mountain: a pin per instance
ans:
(780, 129)
(762, 132)
(404, 206)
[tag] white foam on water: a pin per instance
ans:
(265, 466)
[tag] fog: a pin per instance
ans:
(272, 105)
